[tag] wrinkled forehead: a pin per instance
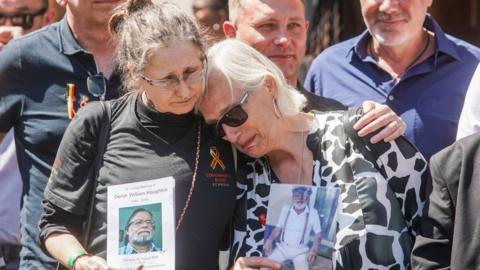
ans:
(258, 10)
(16, 6)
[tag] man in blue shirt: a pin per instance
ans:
(44, 78)
(405, 61)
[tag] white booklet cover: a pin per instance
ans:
(140, 225)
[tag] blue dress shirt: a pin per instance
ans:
(429, 96)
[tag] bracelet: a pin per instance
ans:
(75, 256)
(2, 262)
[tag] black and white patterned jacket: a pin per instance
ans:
(380, 204)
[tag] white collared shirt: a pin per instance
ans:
(293, 225)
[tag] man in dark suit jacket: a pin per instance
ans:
(450, 227)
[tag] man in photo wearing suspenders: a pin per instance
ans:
(294, 227)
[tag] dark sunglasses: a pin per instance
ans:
(97, 85)
(234, 117)
(24, 20)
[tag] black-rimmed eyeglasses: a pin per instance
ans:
(97, 85)
(24, 20)
(140, 222)
(234, 117)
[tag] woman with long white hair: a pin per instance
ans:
(380, 185)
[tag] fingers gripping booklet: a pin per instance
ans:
(141, 226)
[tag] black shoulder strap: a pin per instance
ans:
(101, 147)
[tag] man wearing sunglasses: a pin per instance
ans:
(20, 17)
(278, 29)
(45, 78)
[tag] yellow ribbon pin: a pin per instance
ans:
(216, 159)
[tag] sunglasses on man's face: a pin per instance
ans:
(234, 117)
(24, 20)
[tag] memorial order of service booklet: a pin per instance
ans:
(141, 226)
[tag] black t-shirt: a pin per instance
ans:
(135, 153)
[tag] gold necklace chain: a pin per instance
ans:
(194, 177)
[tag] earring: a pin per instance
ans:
(275, 110)
(216, 26)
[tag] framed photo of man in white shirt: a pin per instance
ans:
(300, 228)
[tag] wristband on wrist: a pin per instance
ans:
(2, 262)
(75, 256)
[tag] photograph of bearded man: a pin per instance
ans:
(139, 233)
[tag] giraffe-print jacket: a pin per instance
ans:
(380, 207)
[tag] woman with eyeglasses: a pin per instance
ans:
(380, 185)
(153, 132)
